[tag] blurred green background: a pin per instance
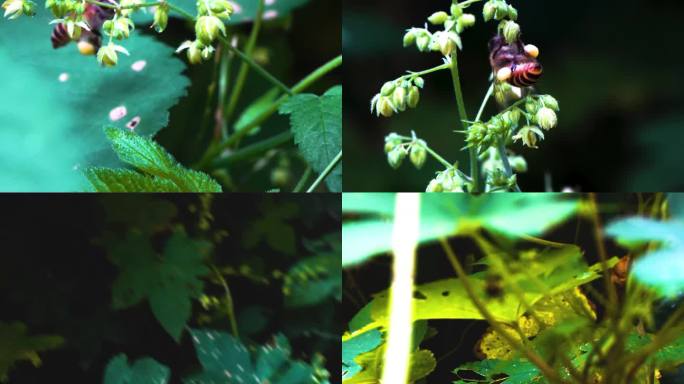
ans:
(615, 67)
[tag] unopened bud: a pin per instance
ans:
(418, 153)
(387, 88)
(396, 157)
(547, 118)
(413, 97)
(511, 31)
(438, 18)
(550, 101)
(399, 98)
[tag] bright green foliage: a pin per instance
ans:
(423, 362)
(85, 95)
(255, 109)
(143, 371)
(159, 171)
(31, 158)
(444, 215)
(317, 126)
(355, 346)
(669, 356)
(272, 228)
(660, 269)
(313, 279)
(226, 360)
(518, 372)
(16, 345)
(169, 282)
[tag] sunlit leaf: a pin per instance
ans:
(355, 346)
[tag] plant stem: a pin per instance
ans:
(221, 130)
(501, 148)
(248, 61)
(396, 364)
(325, 172)
(490, 90)
(244, 68)
(427, 71)
(431, 152)
(534, 358)
(314, 76)
(601, 248)
(229, 301)
(255, 149)
(302, 181)
(472, 151)
(182, 12)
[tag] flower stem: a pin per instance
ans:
(253, 150)
(302, 181)
(490, 90)
(229, 301)
(325, 172)
(501, 148)
(472, 151)
(427, 71)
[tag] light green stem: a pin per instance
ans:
(325, 172)
(472, 151)
(229, 301)
(302, 181)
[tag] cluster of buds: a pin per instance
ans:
(499, 10)
(484, 135)
(449, 180)
(497, 181)
(16, 8)
(540, 113)
(493, 167)
(397, 148)
(395, 96)
(445, 41)
(208, 27)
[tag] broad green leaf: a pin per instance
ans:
(141, 88)
(160, 171)
(168, 282)
(225, 360)
(313, 280)
(16, 345)
(423, 362)
(145, 370)
(272, 228)
(255, 109)
(35, 154)
(444, 215)
(355, 346)
(316, 123)
(518, 372)
(660, 269)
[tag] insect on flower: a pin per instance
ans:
(89, 40)
(515, 63)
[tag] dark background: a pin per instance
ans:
(56, 280)
(615, 67)
(455, 340)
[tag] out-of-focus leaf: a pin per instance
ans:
(355, 346)
(518, 371)
(145, 370)
(272, 227)
(254, 110)
(312, 280)
(16, 345)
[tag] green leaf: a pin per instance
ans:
(225, 360)
(168, 283)
(16, 345)
(255, 109)
(660, 269)
(272, 228)
(160, 171)
(145, 370)
(355, 346)
(84, 95)
(423, 362)
(316, 123)
(444, 215)
(518, 371)
(312, 280)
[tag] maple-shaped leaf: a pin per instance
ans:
(168, 281)
(226, 360)
(145, 370)
(16, 345)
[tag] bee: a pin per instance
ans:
(88, 41)
(494, 285)
(515, 63)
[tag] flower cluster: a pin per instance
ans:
(449, 180)
(398, 147)
(396, 95)
(16, 8)
(444, 41)
(208, 27)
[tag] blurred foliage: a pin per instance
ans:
(131, 273)
(618, 83)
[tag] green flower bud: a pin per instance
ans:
(418, 153)
(207, 29)
(107, 54)
(446, 42)
(419, 82)
(488, 11)
(514, 116)
(161, 18)
(413, 97)
(529, 135)
(434, 186)
(16, 8)
(121, 28)
(547, 118)
(512, 13)
(399, 98)
(531, 106)
(511, 31)
(385, 106)
(387, 88)
(194, 51)
(518, 164)
(550, 101)
(438, 18)
(467, 20)
(501, 10)
(221, 8)
(392, 141)
(396, 157)
(423, 42)
(456, 10)
(409, 37)
(207, 52)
